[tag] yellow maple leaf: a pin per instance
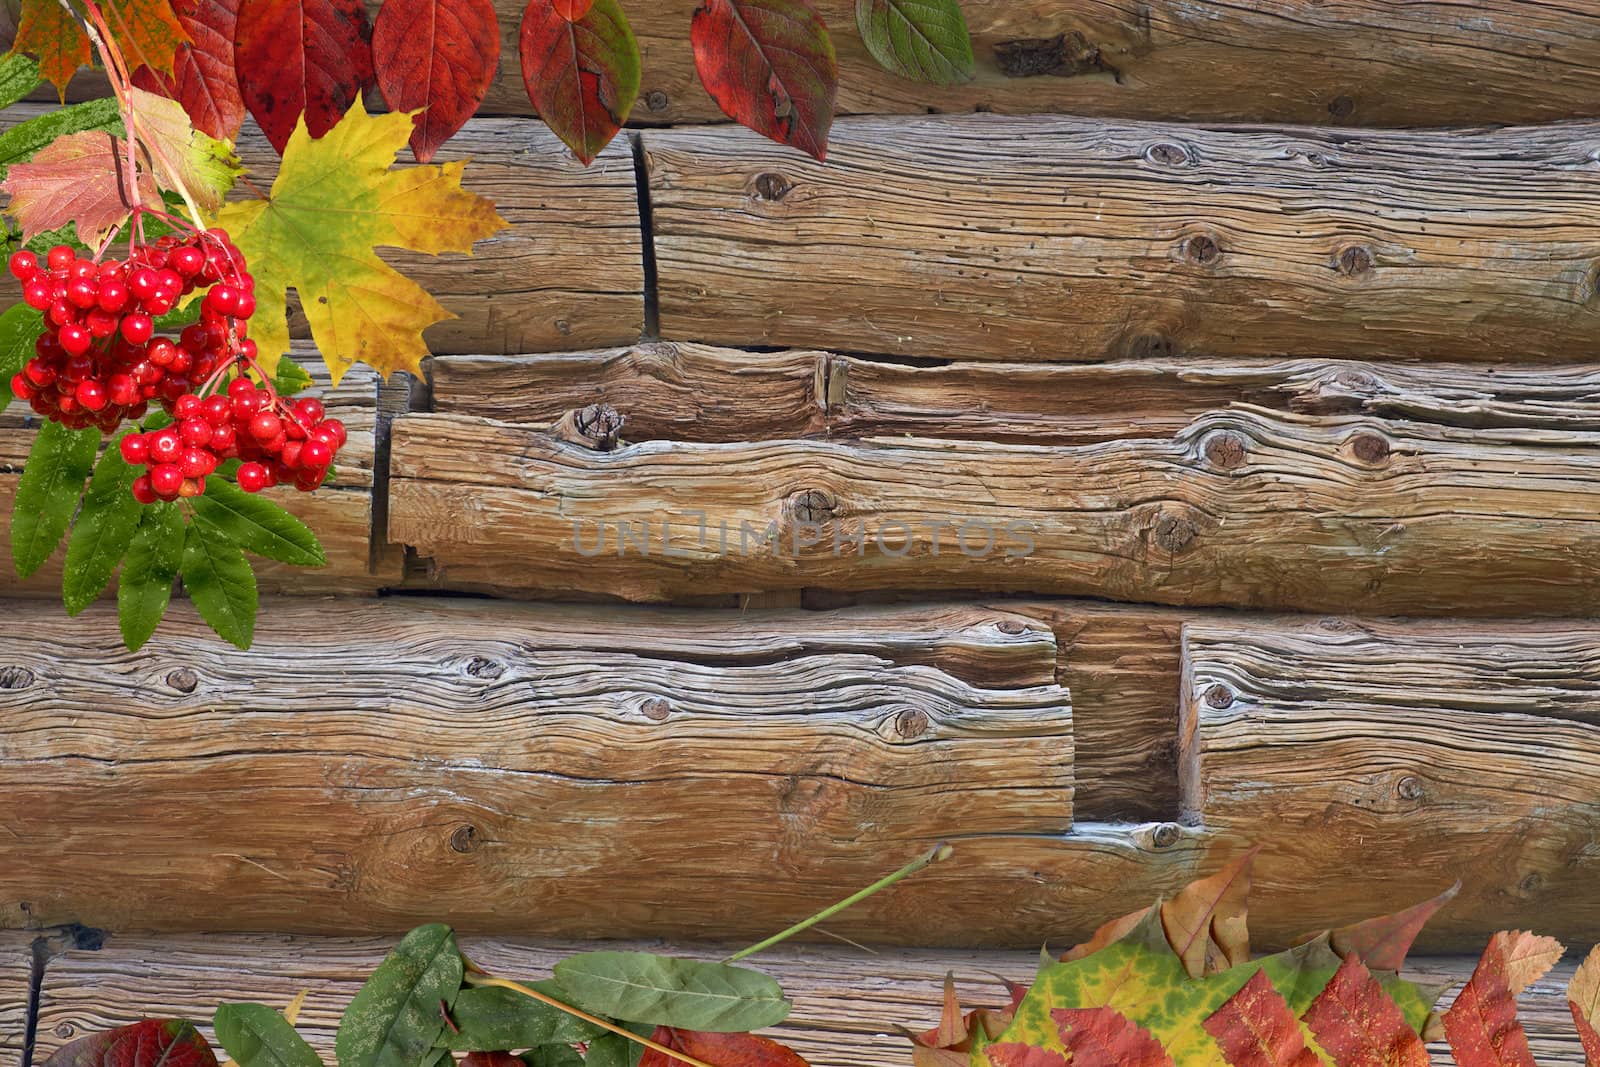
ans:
(334, 201)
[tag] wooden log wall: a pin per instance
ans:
(1287, 439)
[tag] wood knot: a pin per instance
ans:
(65, 1030)
(1342, 107)
(1220, 697)
(598, 427)
(15, 677)
(1409, 788)
(912, 723)
(183, 680)
(485, 668)
(772, 186)
(1370, 449)
(1168, 154)
(656, 710)
(813, 506)
(1531, 884)
(1166, 835)
(1065, 55)
(1174, 533)
(1202, 249)
(656, 100)
(1150, 346)
(464, 839)
(1013, 627)
(1226, 450)
(1354, 261)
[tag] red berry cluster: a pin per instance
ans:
(98, 361)
(239, 424)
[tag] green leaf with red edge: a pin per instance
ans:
(924, 40)
(582, 75)
(48, 31)
(147, 32)
(1102, 1037)
(202, 77)
(76, 179)
(151, 1043)
(295, 57)
(1358, 1025)
(437, 57)
(1255, 1028)
(1482, 1024)
(770, 65)
(723, 1050)
(1583, 997)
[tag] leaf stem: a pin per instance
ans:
(940, 853)
(477, 978)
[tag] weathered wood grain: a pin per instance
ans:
(848, 1004)
(689, 392)
(16, 980)
(1376, 756)
(474, 751)
(567, 273)
(1244, 508)
(341, 514)
(1033, 239)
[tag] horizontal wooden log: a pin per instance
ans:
(1244, 508)
(687, 392)
(848, 1005)
(820, 745)
(1380, 756)
(567, 273)
(341, 514)
(1035, 239)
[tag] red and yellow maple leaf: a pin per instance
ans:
(48, 32)
(1103, 1037)
(1482, 1024)
(1255, 1028)
(147, 32)
(1358, 1025)
(78, 178)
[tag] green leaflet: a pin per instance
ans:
(555, 1056)
(257, 525)
(18, 328)
(20, 142)
(290, 378)
(924, 40)
(256, 1036)
(221, 585)
(1143, 979)
(19, 76)
(645, 988)
(493, 1018)
(52, 482)
(614, 1050)
(395, 1020)
(105, 527)
(148, 572)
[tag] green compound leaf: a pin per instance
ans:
(644, 988)
(494, 1018)
(924, 40)
(20, 142)
(19, 76)
(52, 482)
(221, 584)
(148, 572)
(257, 525)
(559, 1056)
(290, 378)
(614, 1050)
(256, 1036)
(395, 1020)
(103, 531)
(18, 328)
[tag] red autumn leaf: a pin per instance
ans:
(203, 78)
(583, 76)
(76, 179)
(1255, 1028)
(770, 65)
(492, 1059)
(1482, 1024)
(297, 57)
(1383, 942)
(439, 55)
(573, 10)
(1012, 1054)
(1111, 932)
(1583, 997)
(152, 1043)
(1104, 1037)
(48, 30)
(1357, 1024)
(721, 1050)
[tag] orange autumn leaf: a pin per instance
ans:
(1383, 942)
(48, 31)
(1583, 997)
(721, 1050)
(1255, 1028)
(1207, 922)
(1482, 1024)
(147, 32)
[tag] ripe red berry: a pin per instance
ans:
(24, 265)
(39, 372)
(75, 339)
(309, 411)
(137, 329)
(61, 257)
(102, 323)
(143, 283)
(197, 463)
(37, 295)
(187, 407)
(225, 440)
(135, 449)
(21, 388)
(92, 395)
(217, 410)
(166, 446)
(166, 479)
(187, 261)
(265, 426)
(252, 477)
(161, 352)
(223, 300)
(83, 294)
(315, 455)
(195, 431)
(246, 305)
(113, 295)
(143, 491)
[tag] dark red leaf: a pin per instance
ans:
(492, 1059)
(1482, 1023)
(435, 54)
(1104, 1037)
(721, 1050)
(203, 78)
(152, 1043)
(1357, 1024)
(1383, 943)
(1255, 1028)
(582, 75)
(1587, 1034)
(1012, 1054)
(770, 65)
(295, 57)
(573, 10)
